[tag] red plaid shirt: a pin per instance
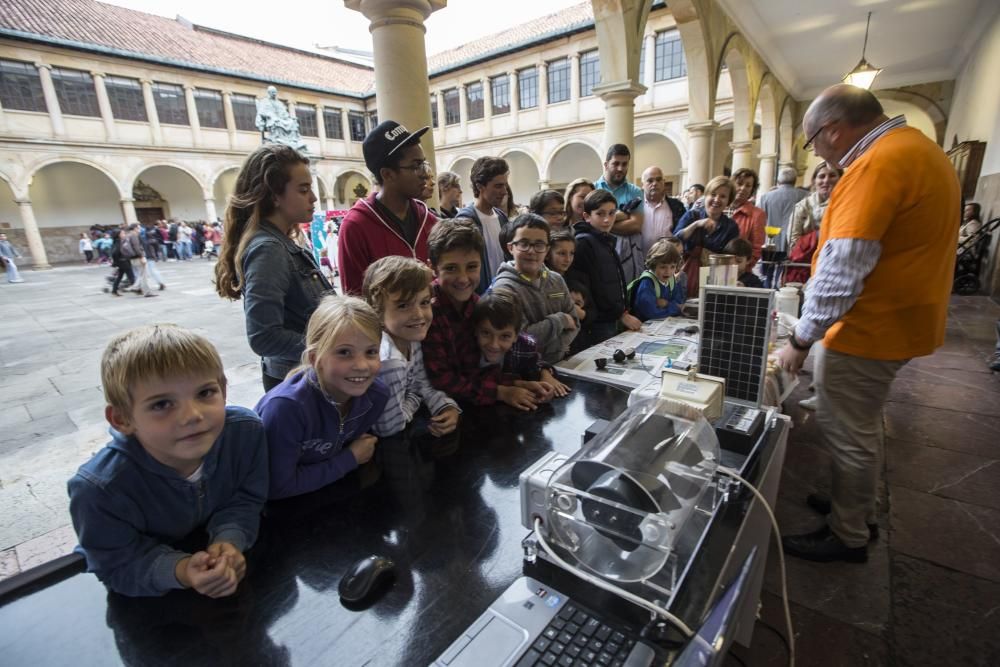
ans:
(451, 354)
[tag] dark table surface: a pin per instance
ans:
(447, 511)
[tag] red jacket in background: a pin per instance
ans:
(365, 236)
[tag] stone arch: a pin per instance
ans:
(926, 105)
(346, 183)
(524, 176)
(123, 191)
(767, 104)
(169, 190)
(696, 40)
(566, 145)
(733, 55)
(9, 212)
(654, 148)
(786, 132)
(463, 167)
(573, 159)
(223, 185)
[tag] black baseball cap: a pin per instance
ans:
(385, 140)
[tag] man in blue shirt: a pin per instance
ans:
(627, 226)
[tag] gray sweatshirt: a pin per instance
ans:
(543, 300)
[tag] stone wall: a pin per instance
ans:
(62, 244)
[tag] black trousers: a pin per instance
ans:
(124, 267)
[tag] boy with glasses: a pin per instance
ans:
(548, 310)
(393, 221)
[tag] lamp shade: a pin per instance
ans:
(863, 75)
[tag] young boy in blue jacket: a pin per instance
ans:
(656, 293)
(179, 461)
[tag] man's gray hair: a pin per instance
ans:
(787, 176)
(850, 104)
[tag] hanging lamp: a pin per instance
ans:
(863, 75)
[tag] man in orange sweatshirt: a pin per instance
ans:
(882, 276)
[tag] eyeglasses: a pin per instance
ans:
(554, 213)
(525, 245)
(808, 146)
(420, 166)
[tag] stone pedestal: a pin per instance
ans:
(619, 115)
(742, 158)
(700, 136)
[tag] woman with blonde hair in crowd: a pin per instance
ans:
(706, 230)
(279, 280)
(576, 192)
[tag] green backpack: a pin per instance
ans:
(633, 287)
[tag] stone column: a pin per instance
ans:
(741, 154)
(574, 87)
(463, 113)
(315, 185)
(683, 185)
(439, 101)
(154, 117)
(329, 203)
(51, 99)
(649, 67)
(227, 110)
(543, 185)
(39, 259)
(210, 211)
(346, 129)
(487, 106)
(397, 28)
(543, 93)
(104, 104)
(321, 129)
(700, 136)
(192, 115)
(619, 115)
(128, 211)
(515, 102)
(3, 119)
(767, 172)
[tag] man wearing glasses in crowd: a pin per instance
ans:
(392, 221)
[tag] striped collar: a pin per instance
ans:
(866, 141)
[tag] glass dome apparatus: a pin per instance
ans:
(631, 505)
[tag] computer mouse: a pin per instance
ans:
(364, 577)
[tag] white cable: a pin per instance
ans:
(611, 588)
(781, 557)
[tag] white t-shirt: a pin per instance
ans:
(196, 476)
(491, 234)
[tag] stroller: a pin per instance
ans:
(971, 253)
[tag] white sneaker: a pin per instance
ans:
(809, 403)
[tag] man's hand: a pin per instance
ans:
(790, 359)
(517, 397)
(227, 551)
(209, 576)
(444, 422)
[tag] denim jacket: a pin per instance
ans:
(128, 509)
(282, 285)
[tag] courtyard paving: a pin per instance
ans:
(53, 329)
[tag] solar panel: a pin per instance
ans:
(735, 332)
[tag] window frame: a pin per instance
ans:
(125, 98)
(590, 68)
(475, 106)
(558, 77)
(504, 94)
(207, 114)
(328, 114)
(527, 75)
(76, 92)
(452, 106)
(306, 115)
(163, 86)
(356, 119)
(21, 90)
(239, 101)
(665, 69)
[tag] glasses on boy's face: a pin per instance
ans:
(416, 166)
(525, 246)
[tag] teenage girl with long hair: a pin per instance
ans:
(260, 261)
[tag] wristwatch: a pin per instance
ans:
(794, 342)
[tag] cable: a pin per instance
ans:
(777, 632)
(642, 361)
(611, 588)
(781, 558)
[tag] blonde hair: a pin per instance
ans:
(662, 252)
(391, 275)
(570, 191)
(261, 180)
(154, 352)
(334, 316)
(717, 184)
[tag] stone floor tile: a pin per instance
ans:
(947, 429)
(933, 394)
(25, 391)
(948, 532)
(943, 472)
(35, 432)
(11, 415)
(943, 617)
(46, 547)
(8, 564)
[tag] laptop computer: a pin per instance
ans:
(533, 624)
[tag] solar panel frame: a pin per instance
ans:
(735, 325)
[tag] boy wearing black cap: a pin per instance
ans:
(393, 221)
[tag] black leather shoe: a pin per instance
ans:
(821, 504)
(823, 546)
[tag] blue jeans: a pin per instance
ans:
(12, 275)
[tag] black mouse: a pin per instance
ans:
(365, 576)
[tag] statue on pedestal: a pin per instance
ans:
(276, 125)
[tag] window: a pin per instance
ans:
(527, 88)
(558, 77)
(670, 62)
(20, 87)
(306, 115)
(642, 62)
(356, 121)
(452, 112)
(590, 72)
(208, 104)
(372, 120)
(75, 91)
(500, 87)
(170, 105)
(434, 111)
(331, 122)
(474, 100)
(125, 96)
(244, 112)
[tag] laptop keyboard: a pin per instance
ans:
(575, 638)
